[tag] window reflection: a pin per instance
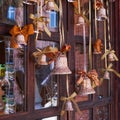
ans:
(11, 79)
(11, 12)
(46, 92)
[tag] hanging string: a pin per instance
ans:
(79, 10)
(108, 21)
(90, 40)
(95, 21)
(84, 47)
(61, 26)
(67, 85)
(105, 42)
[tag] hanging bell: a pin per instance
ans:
(106, 75)
(101, 14)
(20, 39)
(42, 60)
(86, 87)
(51, 6)
(68, 106)
(61, 66)
(81, 20)
(40, 26)
(111, 57)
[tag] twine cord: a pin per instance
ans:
(90, 40)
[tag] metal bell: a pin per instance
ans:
(61, 66)
(101, 14)
(106, 75)
(20, 39)
(51, 6)
(81, 21)
(111, 57)
(42, 60)
(86, 87)
(68, 106)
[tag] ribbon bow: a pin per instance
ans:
(98, 5)
(16, 30)
(49, 51)
(42, 21)
(71, 98)
(109, 68)
(92, 75)
(110, 52)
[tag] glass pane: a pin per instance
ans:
(11, 78)
(46, 85)
(11, 11)
(101, 113)
(84, 116)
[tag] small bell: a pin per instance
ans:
(81, 21)
(51, 6)
(61, 66)
(40, 26)
(86, 87)
(42, 60)
(68, 106)
(101, 14)
(20, 39)
(111, 57)
(106, 75)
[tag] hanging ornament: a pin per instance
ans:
(41, 23)
(86, 87)
(111, 55)
(106, 75)
(61, 65)
(49, 52)
(50, 5)
(16, 31)
(110, 69)
(101, 14)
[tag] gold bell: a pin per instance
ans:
(101, 14)
(86, 87)
(106, 75)
(42, 60)
(61, 66)
(68, 106)
(111, 57)
(20, 39)
(81, 20)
